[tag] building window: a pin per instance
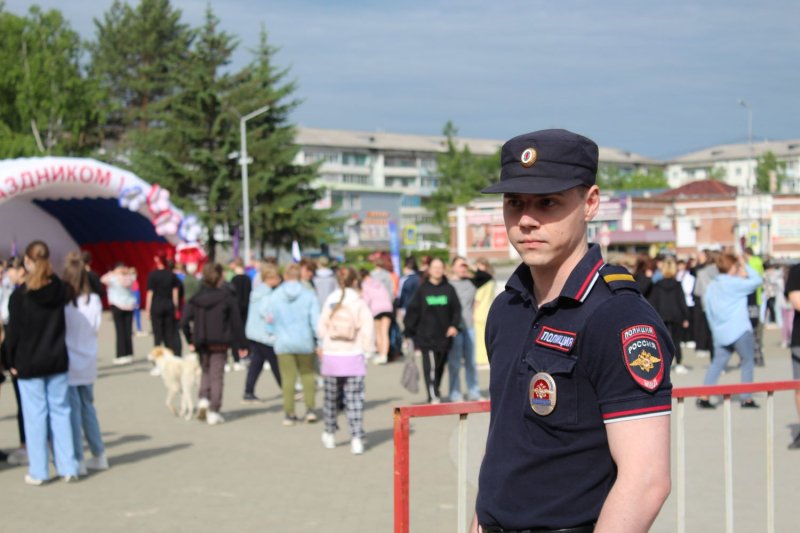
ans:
(428, 163)
(356, 179)
(401, 182)
(348, 201)
(430, 182)
(326, 156)
(400, 161)
(354, 159)
(411, 201)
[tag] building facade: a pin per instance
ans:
(735, 164)
(373, 178)
(699, 215)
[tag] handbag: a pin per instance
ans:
(410, 377)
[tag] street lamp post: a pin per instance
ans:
(243, 160)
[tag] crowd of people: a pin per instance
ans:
(313, 324)
(718, 305)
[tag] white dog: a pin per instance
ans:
(181, 375)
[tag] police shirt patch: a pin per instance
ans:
(562, 341)
(641, 352)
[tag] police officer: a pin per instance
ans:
(579, 438)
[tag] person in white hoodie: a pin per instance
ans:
(348, 334)
(82, 315)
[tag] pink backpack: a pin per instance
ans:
(342, 324)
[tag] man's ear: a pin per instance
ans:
(591, 203)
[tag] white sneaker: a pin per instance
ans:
(18, 457)
(227, 367)
(267, 366)
(680, 369)
(70, 479)
(238, 367)
(702, 354)
(155, 371)
(33, 481)
(380, 359)
(357, 446)
(202, 408)
(97, 463)
(82, 468)
(214, 418)
(328, 440)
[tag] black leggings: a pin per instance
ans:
(433, 363)
(258, 354)
(675, 331)
(165, 333)
(123, 326)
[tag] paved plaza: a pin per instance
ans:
(253, 474)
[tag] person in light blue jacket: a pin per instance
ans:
(260, 333)
(726, 311)
(293, 311)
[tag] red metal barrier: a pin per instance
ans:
(402, 426)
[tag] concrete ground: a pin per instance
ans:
(253, 474)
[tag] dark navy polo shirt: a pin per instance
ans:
(609, 355)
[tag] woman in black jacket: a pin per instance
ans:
(431, 320)
(37, 354)
(668, 299)
(212, 325)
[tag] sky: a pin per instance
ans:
(659, 79)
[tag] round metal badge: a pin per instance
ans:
(543, 394)
(528, 157)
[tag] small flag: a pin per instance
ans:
(296, 252)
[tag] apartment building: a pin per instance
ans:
(735, 164)
(379, 181)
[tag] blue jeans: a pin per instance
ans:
(745, 347)
(84, 421)
(463, 349)
(46, 398)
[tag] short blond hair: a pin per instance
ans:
(269, 270)
(292, 271)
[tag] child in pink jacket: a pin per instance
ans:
(346, 329)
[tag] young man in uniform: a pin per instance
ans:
(579, 437)
(793, 295)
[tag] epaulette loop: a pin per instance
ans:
(618, 278)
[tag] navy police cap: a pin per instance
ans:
(546, 161)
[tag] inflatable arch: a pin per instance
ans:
(76, 203)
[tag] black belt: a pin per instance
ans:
(588, 528)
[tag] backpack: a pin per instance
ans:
(342, 324)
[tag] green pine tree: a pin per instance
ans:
(282, 194)
(186, 146)
(462, 175)
(137, 53)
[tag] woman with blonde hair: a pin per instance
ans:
(82, 314)
(668, 299)
(38, 357)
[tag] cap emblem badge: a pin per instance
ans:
(542, 393)
(528, 157)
